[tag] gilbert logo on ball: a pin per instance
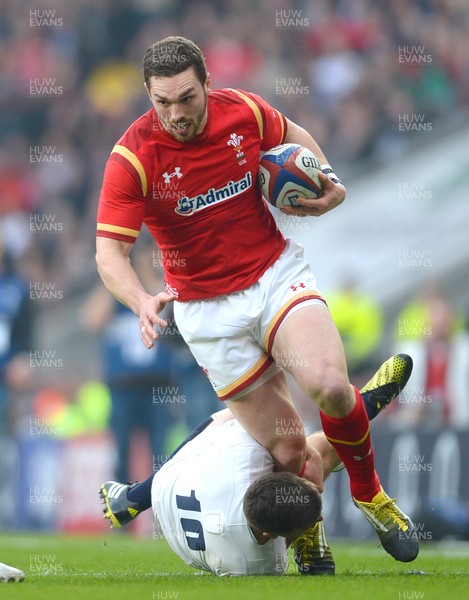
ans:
(288, 172)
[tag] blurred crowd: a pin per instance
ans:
(71, 83)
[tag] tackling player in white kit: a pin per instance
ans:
(223, 509)
(202, 500)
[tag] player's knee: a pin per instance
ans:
(332, 393)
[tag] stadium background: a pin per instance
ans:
(383, 87)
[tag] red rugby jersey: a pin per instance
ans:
(199, 199)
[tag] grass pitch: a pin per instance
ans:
(117, 566)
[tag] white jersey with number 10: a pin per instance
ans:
(197, 498)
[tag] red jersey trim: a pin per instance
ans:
(115, 236)
(135, 162)
(105, 230)
(245, 381)
(255, 109)
(283, 121)
(283, 312)
(258, 114)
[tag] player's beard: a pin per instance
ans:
(176, 128)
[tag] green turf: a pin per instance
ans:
(117, 566)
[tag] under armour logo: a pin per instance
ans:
(298, 286)
(359, 458)
(167, 176)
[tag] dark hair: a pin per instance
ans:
(171, 56)
(279, 503)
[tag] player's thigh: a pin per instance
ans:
(219, 333)
(308, 345)
(267, 413)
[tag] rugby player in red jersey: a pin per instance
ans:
(245, 299)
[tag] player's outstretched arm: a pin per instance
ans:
(314, 468)
(333, 194)
(330, 459)
(119, 277)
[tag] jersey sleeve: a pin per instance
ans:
(272, 123)
(121, 206)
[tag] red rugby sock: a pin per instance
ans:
(351, 439)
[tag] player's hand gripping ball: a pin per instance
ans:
(288, 172)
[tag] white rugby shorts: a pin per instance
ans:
(231, 336)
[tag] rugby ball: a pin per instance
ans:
(288, 172)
